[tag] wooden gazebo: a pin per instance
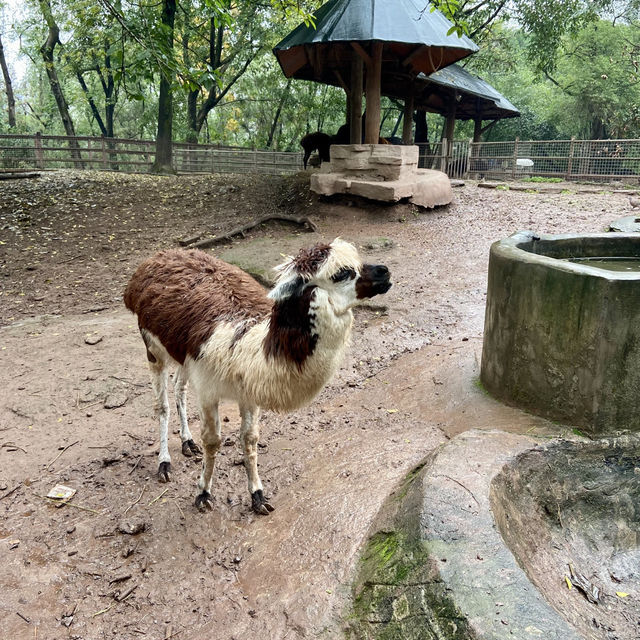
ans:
(355, 44)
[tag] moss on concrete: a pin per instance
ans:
(397, 592)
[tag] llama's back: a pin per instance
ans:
(181, 295)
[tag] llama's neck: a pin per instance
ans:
(303, 352)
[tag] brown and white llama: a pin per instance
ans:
(231, 340)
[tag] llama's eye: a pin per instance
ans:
(344, 274)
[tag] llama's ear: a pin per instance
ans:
(288, 288)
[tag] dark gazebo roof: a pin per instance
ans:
(474, 97)
(415, 40)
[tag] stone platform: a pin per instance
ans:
(382, 172)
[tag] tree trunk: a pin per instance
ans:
(192, 119)
(53, 38)
(8, 88)
(92, 104)
(216, 92)
(109, 93)
(274, 124)
(164, 141)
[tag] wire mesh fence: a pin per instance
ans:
(591, 160)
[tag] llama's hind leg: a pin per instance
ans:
(249, 434)
(159, 382)
(211, 440)
(189, 447)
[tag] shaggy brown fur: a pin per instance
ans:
(180, 296)
(308, 261)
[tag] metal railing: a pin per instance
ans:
(592, 160)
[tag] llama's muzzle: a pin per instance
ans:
(374, 279)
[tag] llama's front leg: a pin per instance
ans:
(159, 381)
(211, 440)
(249, 434)
(189, 447)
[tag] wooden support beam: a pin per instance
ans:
(341, 82)
(355, 115)
(407, 123)
(362, 53)
(450, 122)
(477, 129)
(374, 77)
(407, 61)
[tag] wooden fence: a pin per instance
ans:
(594, 160)
(121, 154)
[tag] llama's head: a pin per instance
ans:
(334, 268)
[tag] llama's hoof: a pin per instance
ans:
(259, 503)
(204, 501)
(164, 472)
(190, 448)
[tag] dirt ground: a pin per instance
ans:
(131, 558)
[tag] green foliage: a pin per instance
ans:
(541, 179)
(571, 69)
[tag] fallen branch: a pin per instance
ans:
(17, 176)
(67, 503)
(157, 497)
(67, 447)
(139, 497)
(126, 594)
(10, 492)
(23, 617)
(240, 231)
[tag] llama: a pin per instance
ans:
(232, 341)
(318, 140)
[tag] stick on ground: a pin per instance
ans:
(239, 231)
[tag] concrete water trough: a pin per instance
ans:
(562, 328)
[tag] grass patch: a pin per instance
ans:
(502, 187)
(541, 179)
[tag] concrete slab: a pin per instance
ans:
(436, 566)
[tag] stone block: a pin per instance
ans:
(431, 188)
(386, 191)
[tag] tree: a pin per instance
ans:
(96, 56)
(164, 138)
(598, 75)
(47, 49)
(544, 21)
(8, 88)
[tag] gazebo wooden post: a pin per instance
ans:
(374, 77)
(355, 104)
(477, 129)
(450, 123)
(407, 122)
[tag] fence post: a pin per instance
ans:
(103, 147)
(37, 141)
(444, 152)
(467, 167)
(515, 158)
(570, 162)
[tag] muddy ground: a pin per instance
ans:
(76, 405)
